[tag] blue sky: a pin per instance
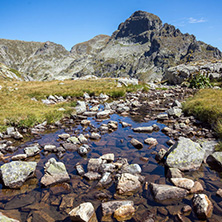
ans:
(68, 22)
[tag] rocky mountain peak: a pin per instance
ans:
(138, 26)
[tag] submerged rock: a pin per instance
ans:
(137, 144)
(163, 192)
(15, 173)
(108, 208)
(203, 207)
(55, 172)
(185, 155)
(85, 212)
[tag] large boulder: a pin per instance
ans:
(55, 172)
(15, 173)
(185, 155)
(163, 192)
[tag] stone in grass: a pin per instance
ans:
(85, 212)
(15, 173)
(203, 207)
(55, 172)
(164, 192)
(137, 144)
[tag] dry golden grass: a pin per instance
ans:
(207, 106)
(17, 108)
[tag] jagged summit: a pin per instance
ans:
(141, 47)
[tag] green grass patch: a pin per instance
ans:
(206, 105)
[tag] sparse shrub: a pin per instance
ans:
(199, 81)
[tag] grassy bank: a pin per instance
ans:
(17, 108)
(207, 106)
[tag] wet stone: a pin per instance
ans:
(19, 157)
(174, 173)
(15, 173)
(108, 157)
(147, 129)
(137, 144)
(55, 172)
(70, 146)
(95, 136)
(183, 183)
(64, 136)
(90, 175)
(84, 149)
(219, 192)
(94, 164)
(106, 179)
(82, 138)
(132, 169)
(161, 154)
(32, 151)
(50, 148)
(197, 187)
(124, 212)
(151, 141)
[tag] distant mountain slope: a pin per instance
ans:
(141, 47)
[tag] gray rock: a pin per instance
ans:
(32, 150)
(128, 184)
(94, 164)
(174, 173)
(127, 82)
(107, 167)
(84, 149)
(55, 172)
(86, 96)
(16, 135)
(161, 154)
(80, 169)
(185, 155)
(10, 131)
(137, 144)
(145, 129)
(80, 107)
(103, 114)
(162, 116)
(208, 146)
(151, 141)
(108, 157)
(73, 140)
(203, 207)
(19, 157)
(64, 136)
(183, 183)
(95, 136)
(177, 104)
(132, 168)
(50, 148)
(174, 111)
(15, 173)
(106, 179)
(85, 212)
(108, 208)
(164, 192)
(82, 139)
(103, 97)
(85, 122)
(90, 175)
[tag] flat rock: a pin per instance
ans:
(103, 114)
(128, 184)
(55, 172)
(203, 207)
(145, 129)
(85, 212)
(32, 150)
(185, 155)
(164, 192)
(183, 183)
(94, 164)
(137, 144)
(162, 116)
(15, 173)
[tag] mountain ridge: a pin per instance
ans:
(141, 47)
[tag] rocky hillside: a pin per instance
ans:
(141, 47)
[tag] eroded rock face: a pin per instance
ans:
(84, 212)
(15, 173)
(164, 192)
(203, 206)
(55, 172)
(185, 155)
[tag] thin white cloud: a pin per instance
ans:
(194, 20)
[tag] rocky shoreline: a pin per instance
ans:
(190, 144)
